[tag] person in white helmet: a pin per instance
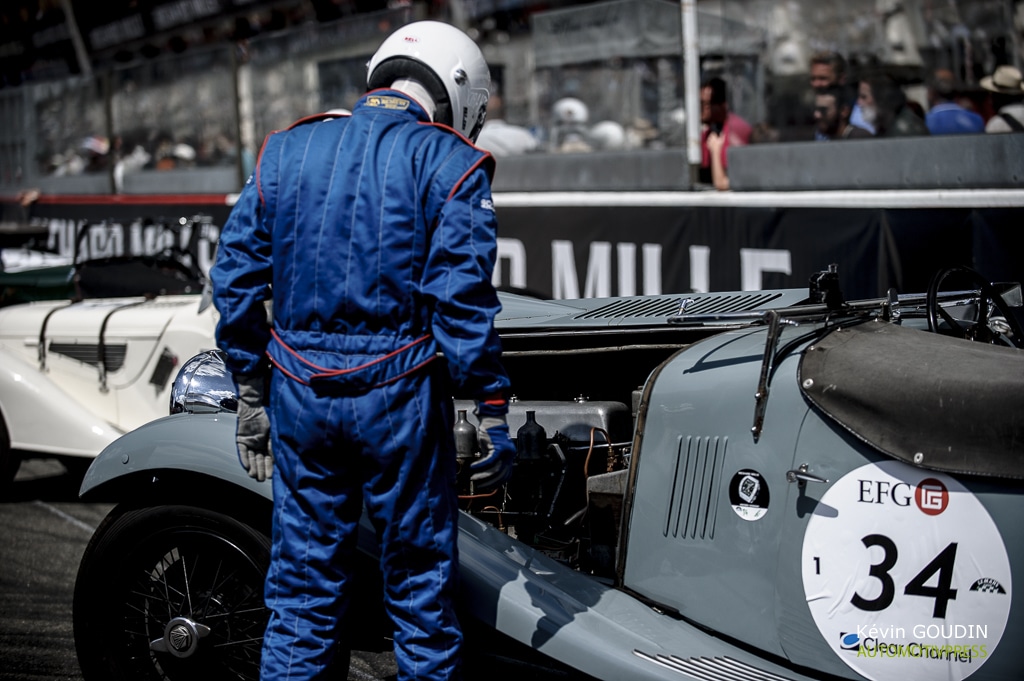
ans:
(569, 133)
(376, 233)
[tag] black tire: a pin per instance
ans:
(9, 462)
(165, 573)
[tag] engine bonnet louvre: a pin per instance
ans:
(631, 309)
(710, 668)
(89, 353)
(714, 303)
(733, 302)
(691, 512)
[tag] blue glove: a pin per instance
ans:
(497, 453)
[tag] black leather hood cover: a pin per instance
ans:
(932, 401)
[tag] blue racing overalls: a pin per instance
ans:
(375, 236)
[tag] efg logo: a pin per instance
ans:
(849, 641)
(931, 496)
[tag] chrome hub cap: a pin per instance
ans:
(181, 637)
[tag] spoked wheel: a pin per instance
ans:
(171, 593)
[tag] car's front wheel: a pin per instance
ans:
(9, 461)
(171, 592)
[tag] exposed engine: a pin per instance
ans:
(573, 453)
(565, 494)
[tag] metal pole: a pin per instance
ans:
(76, 39)
(460, 16)
(1014, 35)
(240, 141)
(114, 150)
(691, 85)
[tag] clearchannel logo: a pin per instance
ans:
(870, 646)
(849, 641)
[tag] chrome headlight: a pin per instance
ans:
(204, 385)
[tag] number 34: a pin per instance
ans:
(941, 565)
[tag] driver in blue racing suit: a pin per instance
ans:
(376, 233)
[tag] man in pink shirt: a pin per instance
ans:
(721, 130)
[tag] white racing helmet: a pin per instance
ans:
(446, 62)
(570, 110)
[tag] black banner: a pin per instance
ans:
(567, 252)
(96, 229)
(595, 251)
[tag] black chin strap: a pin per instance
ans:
(397, 68)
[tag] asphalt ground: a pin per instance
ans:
(44, 530)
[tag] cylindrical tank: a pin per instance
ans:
(531, 440)
(466, 446)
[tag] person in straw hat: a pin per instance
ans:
(1007, 94)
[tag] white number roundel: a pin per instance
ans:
(905, 574)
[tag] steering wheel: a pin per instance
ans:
(1001, 329)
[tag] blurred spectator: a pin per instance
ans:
(643, 134)
(945, 116)
(673, 132)
(163, 152)
(170, 154)
(570, 133)
(130, 163)
(502, 138)
(884, 106)
(216, 149)
(185, 154)
(764, 133)
(608, 136)
(96, 150)
(721, 129)
(92, 155)
(915, 108)
(68, 163)
(828, 69)
(1007, 92)
(27, 197)
(832, 108)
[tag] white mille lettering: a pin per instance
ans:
(652, 269)
(514, 252)
(755, 261)
(700, 270)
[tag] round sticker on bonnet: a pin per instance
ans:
(748, 494)
(905, 574)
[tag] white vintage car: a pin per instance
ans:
(77, 374)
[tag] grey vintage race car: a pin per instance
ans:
(761, 485)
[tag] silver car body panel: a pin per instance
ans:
(508, 585)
